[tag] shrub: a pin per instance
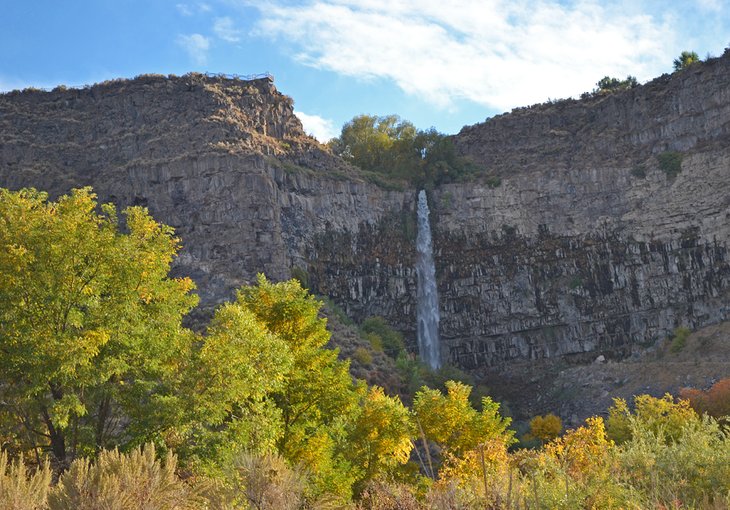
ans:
(583, 449)
(380, 495)
(20, 489)
(480, 477)
(679, 340)
(662, 416)
(493, 181)
(266, 482)
(607, 84)
(363, 356)
(693, 471)
(390, 339)
(376, 342)
(131, 481)
(301, 275)
(671, 163)
(714, 402)
(509, 230)
(546, 428)
(573, 471)
(686, 59)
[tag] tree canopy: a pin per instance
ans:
(686, 59)
(93, 355)
(393, 148)
(89, 319)
(608, 84)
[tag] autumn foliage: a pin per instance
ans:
(115, 404)
(546, 427)
(714, 401)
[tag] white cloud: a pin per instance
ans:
(184, 9)
(196, 45)
(224, 28)
(320, 128)
(189, 10)
(498, 53)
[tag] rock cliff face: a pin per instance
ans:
(224, 161)
(586, 247)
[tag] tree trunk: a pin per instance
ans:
(58, 441)
(102, 417)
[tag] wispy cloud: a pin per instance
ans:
(320, 128)
(196, 46)
(497, 53)
(189, 9)
(224, 29)
(184, 9)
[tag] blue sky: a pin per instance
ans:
(435, 62)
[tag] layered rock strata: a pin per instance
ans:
(589, 244)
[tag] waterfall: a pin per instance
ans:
(427, 313)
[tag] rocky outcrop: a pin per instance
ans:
(224, 161)
(587, 245)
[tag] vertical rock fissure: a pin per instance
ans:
(427, 312)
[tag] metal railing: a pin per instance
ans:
(242, 77)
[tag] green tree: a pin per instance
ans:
(318, 398)
(380, 438)
(607, 84)
(228, 384)
(686, 59)
(90, 322)
(397, 150)
(451, 421)
(663, 417)
(372, 142)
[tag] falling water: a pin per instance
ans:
(427, 313)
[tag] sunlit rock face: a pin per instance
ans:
(585, 247)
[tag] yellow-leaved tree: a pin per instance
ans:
(90, 323)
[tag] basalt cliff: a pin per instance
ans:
(592, 242)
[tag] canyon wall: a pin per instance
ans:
(223, 161)
(586, 245)
(589, 245)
